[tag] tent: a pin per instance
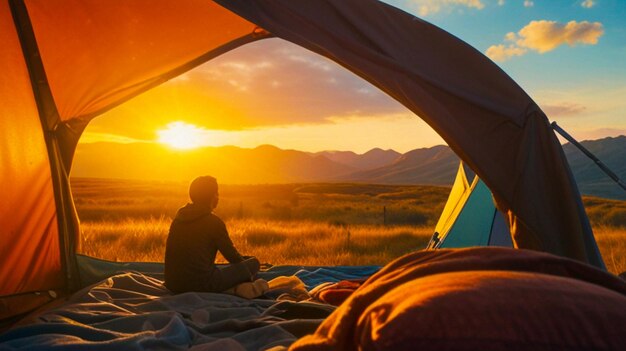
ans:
(470, 216)
(64, 62)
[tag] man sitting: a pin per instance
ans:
(195, 236)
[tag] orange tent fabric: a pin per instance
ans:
(29, 240)
(112, 51)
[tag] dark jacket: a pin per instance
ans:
(195, 236)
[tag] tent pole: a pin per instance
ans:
(594, 256)
(588, 153)
(49, 117)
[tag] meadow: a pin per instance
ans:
(303, 224)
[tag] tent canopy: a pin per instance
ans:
(67, 61)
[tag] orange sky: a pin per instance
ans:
(269, 92)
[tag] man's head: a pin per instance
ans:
(203, 191)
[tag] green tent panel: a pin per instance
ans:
(474, 220)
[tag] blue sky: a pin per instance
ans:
(570, 58)
(582, 87)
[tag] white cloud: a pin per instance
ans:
(312, 62)
(95, 137)
(238, 74)
(529, 3)
(272, 82)
(365, 91)
(510, 36)
(588, 4)
(503, 52)
(500, 2)
(428, 7)
(543, 36)
(594, 110)
(562, 109)
(241, 86)
(297, 55)
(246, 67)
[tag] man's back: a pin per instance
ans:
(195, 236)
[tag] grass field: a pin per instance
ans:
(308, 224)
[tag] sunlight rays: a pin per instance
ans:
(184, 136)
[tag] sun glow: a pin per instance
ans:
(181, 135)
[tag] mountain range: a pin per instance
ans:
(591, 180)
(268, 164)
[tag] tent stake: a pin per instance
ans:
(599, 163)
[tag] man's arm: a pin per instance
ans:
(226, 246)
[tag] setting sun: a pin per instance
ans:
(181, 135)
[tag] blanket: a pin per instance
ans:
(134, 311)
(479, 299)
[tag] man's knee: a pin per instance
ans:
(253, 265)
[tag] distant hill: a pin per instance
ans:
(437, 166)
(233, 165)
(268, 164)
(429, 166)
(591, 180)
(372, 159)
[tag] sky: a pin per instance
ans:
(569, 56)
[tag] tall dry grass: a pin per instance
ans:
(612, 245)
(275, 242)
(315, 243)
(306, 224)
(296, 242)
(137, 240)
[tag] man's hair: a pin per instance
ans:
(202, 189)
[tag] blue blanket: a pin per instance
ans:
(134, 311)
(313, 276)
